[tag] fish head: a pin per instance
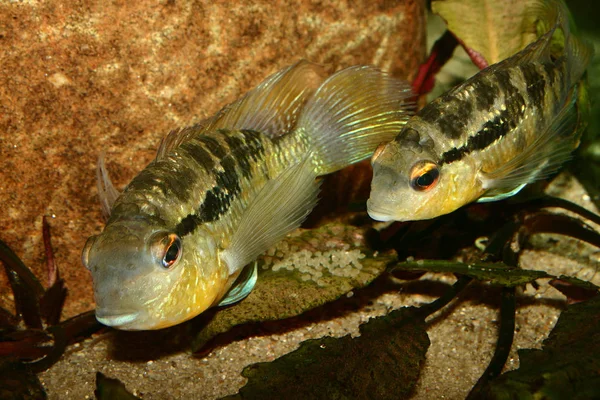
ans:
(410, 184)
(146, 277)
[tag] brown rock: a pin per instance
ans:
(78, 78)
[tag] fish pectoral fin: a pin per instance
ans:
(242, 286)
(280, 207)
(106, 190)
(541, 158)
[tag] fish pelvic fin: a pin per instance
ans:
(242, 286)
(106, 190)
(540, 159)
(271, 108)
(280, 207)
(354, 111)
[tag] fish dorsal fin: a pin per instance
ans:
(559, 39)
(280, 207)
(540, 159)
(106, 190)
(178, 136)
(354, 111)
(242, 286)
(271, 108)
(537, 51)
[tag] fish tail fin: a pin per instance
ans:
(351, 113)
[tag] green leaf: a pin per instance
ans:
(495, 29)
(304, 271)
(567, 366)
(383, 363)
(495, 273)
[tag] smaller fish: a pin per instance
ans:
(184, 234)
(510, 124)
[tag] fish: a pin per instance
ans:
(512, 123)
(183, 234)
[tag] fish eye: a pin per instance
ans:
(424, 175)
(167, 250)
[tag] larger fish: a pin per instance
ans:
(219, 194)
(510, 124)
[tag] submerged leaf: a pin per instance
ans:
(111, 389)
(304, 271)
(26, 288)
(575, 289)
(567, 366)
(19, 383)
(383, 363)
(495, 273)
(494, 29)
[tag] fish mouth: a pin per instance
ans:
(116, 320)
(379, 214)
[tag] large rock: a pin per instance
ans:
(78, 78)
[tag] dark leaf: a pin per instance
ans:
(549, 201)
(303, 271)
(26, 288)
(441, 52)
(495, 273)
(17, 382)
(52, 270)
(7, 320)
(27, 344)
(383, 363)
(55, 353)
(111, 389)
(506, 334)
(567, 366)
(575, 289)
(545, 222)
(51, 303)
(80, 326)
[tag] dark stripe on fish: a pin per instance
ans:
(198, 153)
(490, 132)
(187, 225)
(431, 112)
(484, 94)
(164, 178)
(452, 119)
(453, 125)
(213, 145)
(217, 200)
(535, 83)
(502, 78)
(246, 149)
